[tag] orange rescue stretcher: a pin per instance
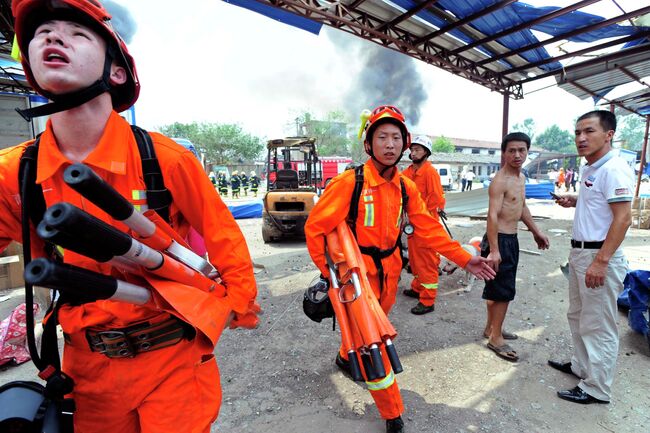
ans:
(365, 329)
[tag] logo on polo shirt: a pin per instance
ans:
(589, 182)
(622, 191)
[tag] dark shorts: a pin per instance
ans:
(502, 288)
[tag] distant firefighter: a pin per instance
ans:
(244, 182)
(235, 182)
(255, 183)
(223, 184)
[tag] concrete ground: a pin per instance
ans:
(281, 377)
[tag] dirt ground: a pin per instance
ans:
(281, 377)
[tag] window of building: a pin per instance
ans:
(476, 151)
(491, 152)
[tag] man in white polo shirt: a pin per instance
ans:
(597, 265)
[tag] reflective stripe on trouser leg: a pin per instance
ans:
(385, 392)
(425, 262)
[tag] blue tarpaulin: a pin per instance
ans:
(279, 15)
(636, 297)
(250, 209)
(540, 190)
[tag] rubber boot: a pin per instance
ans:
(420, 309)
(395, 425)
(411, 293)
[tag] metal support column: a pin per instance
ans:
(644, 150)
(504, 124)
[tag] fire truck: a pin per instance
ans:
(331, 166)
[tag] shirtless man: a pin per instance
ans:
(500, 245)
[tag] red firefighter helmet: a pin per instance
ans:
(29, 14)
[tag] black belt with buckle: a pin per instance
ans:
(587, 244)
(138, 338)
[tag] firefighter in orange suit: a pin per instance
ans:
(72, 55)
(423, 259)
(377, 228)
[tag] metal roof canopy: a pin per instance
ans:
(457, 36)
(636, 102)
(430, 32)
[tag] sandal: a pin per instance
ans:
(505, 352)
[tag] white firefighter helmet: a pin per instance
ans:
(423, 141)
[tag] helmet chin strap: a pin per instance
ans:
(73, 99)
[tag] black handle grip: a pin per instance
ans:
(78, 244)
(86, 182)
(71, 279)
(95, 232)
(393, 358)
(368, 368)
(355, 368)
(377, 362)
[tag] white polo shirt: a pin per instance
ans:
(606, 181)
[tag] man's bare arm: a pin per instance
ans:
(496, 192)
(595, 276)
(540, 238)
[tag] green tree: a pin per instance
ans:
(630, 132)
(443, 144)
(527, 127)
(222, 143)
(556, 139)
(331, 133)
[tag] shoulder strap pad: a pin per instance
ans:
(405, 196)
(354, 201)
(30, 192)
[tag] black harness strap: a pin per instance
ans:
(158, 197)
(375, 253)
(353, 212)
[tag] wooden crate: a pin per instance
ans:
(11, 267)
(641, 219)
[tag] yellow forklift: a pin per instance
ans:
(293, 181)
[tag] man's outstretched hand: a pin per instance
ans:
(480, 268)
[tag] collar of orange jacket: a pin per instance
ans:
(421, 169)
(372, 176)
(110, 153)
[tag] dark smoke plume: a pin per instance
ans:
(122, 20)
(386, 77)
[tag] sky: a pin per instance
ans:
(206, 60)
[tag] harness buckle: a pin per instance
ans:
(114, 341)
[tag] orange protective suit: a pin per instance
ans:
(170, 389)
(378, 219)
(425, 260)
